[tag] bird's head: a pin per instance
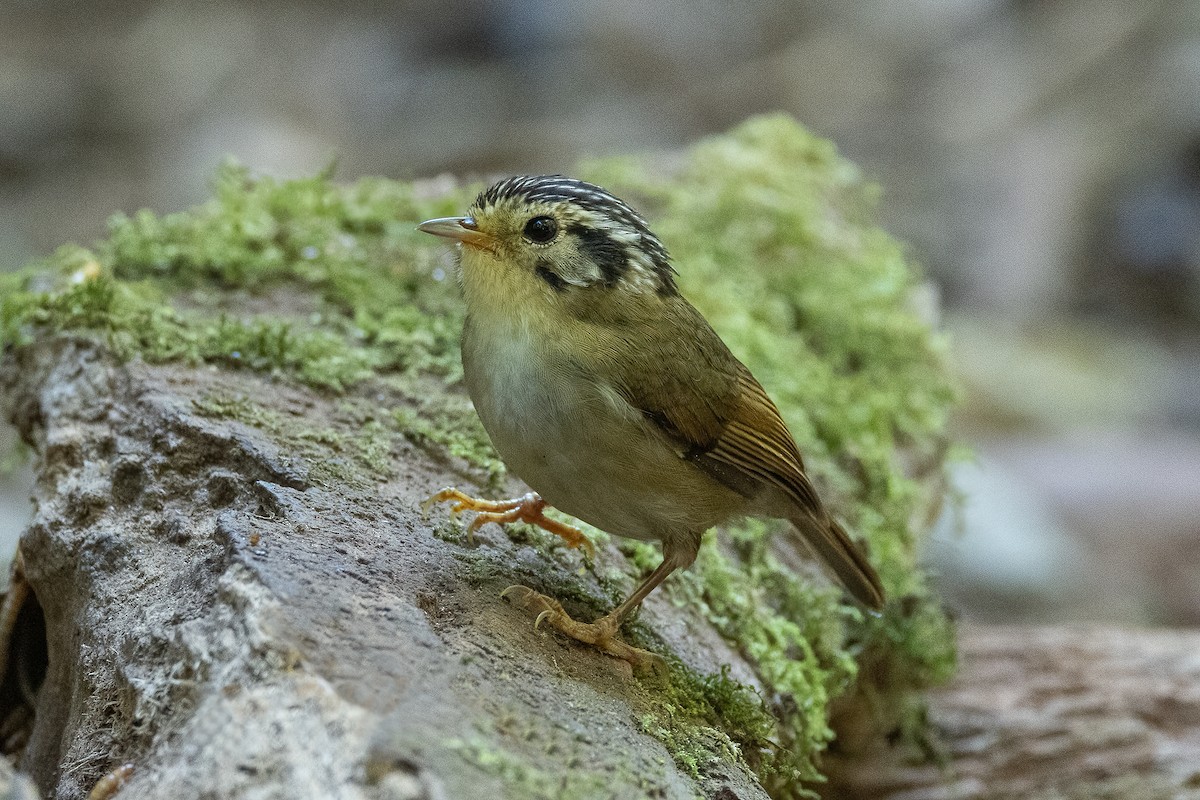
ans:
(557, 240)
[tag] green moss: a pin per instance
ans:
(354, 247)
(333, 457)
(521, 778)
(222, 405)
(702, 718)
(771, 231)
(192, 287)
(451, 426)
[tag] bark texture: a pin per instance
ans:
(234, 623)
(1053, 713)
(234, 628)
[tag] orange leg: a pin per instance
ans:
(526, 508)
(602, 634)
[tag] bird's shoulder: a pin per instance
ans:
(674, 369)
(666, 361)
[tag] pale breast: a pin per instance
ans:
(578, 444)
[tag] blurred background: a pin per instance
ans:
(1042, 159)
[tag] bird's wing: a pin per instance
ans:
(758, 442)
(721, 419)
(701, 397)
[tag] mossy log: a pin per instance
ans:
(235, 409)
(212, 608)
(228, 590)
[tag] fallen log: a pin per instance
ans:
(221, 615)
(1051, 712)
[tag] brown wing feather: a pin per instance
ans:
(758, 439)
(687, 384)
(706, 401)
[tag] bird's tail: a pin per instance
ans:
(843, 557)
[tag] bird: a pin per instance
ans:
(611, 397)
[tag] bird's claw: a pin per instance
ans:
(601, 634)
(529, 600)
(437, 497)
(526, 508)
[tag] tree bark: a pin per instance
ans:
(234, 622)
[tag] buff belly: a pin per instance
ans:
(580, 445)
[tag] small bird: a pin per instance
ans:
(608, 393)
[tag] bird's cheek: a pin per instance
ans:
(487, 277)
(580, 272)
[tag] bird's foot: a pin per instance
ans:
(526, 508)
(601, 634)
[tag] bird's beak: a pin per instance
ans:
(460, 229)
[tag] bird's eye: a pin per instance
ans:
(541, 229)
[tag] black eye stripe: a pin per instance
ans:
(551, 277)
(604, 252)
